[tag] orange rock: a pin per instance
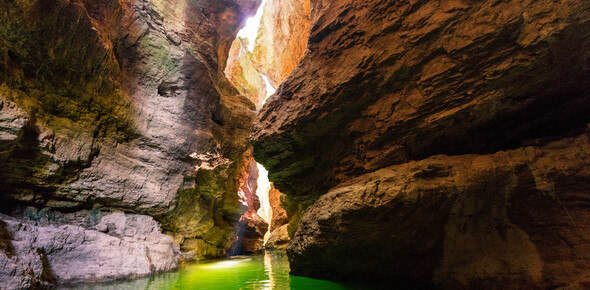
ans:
(382, 83)
(243, 75)
(515, 219)
(282, 38)
(279, 215)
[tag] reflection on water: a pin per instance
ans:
(265, 271)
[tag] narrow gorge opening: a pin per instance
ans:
(252, 56)
(416, 144)
(249, 34)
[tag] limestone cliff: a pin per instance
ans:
(115, 106)
(387, 85)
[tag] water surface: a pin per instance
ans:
(265, 271)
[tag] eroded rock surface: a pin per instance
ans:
(251, 231)
(243, 75)
(514, 219)
(278, 238)
(383, 90)
(123, 105)
(282, 38)
(251, 227)
(387, 82)
(279, 215)
(37, 254)
(12, 120)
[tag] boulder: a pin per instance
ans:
(39, 256)
(515, 219)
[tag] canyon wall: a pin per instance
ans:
(282, 38)
(280, 43)
(118, 106)
(242, 73)
(436, 143)
(515, 219)
(251, 227)
(278, 238)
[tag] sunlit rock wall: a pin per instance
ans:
(243, 75)
(391, 83)
(251, 227)
(282, 38)
(123, 105)
(278, 237)
(280, 44)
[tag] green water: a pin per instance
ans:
(265, 271)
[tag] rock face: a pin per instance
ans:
(278, 238)
(282, 38)
(516, 218)
(279, 215)
(123, 105)
(384, 83)
(383, 91)
(243, 75)
(12, 120)
(36, 256)
(251, 227)
(251, 231)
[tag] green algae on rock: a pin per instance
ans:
(123, 106)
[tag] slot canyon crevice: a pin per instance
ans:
(436, 144)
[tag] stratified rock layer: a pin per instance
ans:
(243, 75)
(282, 38)
(251, 227)
(123, 105)
(515, 219)
(387, 82)
(35, 256)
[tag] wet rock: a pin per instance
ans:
(278, 239)
(513, 219)
(39, 256)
